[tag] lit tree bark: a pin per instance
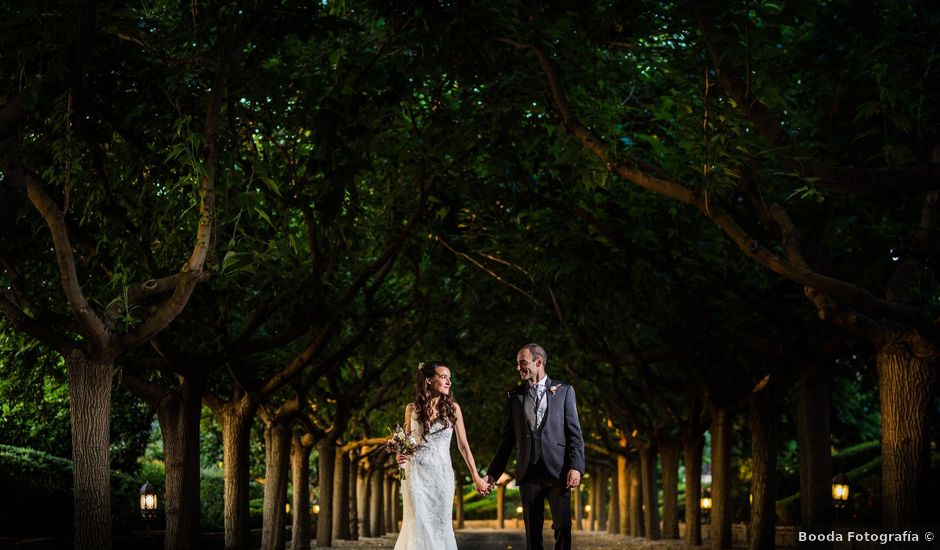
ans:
(650, 490)
(636, 500)
(764, 462)
(300, 480)
(387, 506)
(459, 497)
(341, 497)
(235, 420)
(623, 495)
(501, 506)
(613, 522)
(578, 510)
(396, 510)
(376, 499)
(693, 446)
(603, 480)
(326, 451)
(720, 526)
(277, 449)
(593, 519)
(906, 378)
(90, 407)
(354, 499)
(364, 498)
(669, 451)
(179, 415)
(813, 437)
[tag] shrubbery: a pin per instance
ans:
(37, 491)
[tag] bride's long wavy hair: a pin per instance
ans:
(446, 406)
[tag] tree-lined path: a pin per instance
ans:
(231, 229)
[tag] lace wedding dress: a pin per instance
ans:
(428, 492)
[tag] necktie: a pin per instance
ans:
(537, 400)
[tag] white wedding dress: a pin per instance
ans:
(428, 492)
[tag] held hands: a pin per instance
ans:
(482, 486)
(485, 484)
(574, 478)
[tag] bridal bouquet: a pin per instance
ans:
(400, 442)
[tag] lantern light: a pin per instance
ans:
(840, 490)
(148, 501)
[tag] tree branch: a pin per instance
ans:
(870, 181)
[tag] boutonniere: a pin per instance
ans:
(554, 388)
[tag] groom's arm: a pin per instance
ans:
(507, 441)
(574, 441)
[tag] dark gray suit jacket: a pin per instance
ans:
(561, 444)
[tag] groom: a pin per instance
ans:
(541, 420)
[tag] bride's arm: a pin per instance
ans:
(409, 410)
(464, 447)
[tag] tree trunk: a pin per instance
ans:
(179, 414)
(693, 446)
(90, 407)
(235, 420)
(387, 507)
(277, 448)
(326, 450)
(376, 497)
(300, 480)
(813, 434)
(396, 510)
(764, 463)
(354, 500)
(501, 506)
(650, 492)
(341, 497)
(459, 496)
(592, 501)
(623, 495)
(670, 450)
(363, 496)
(636, 500)
(721, 479)
(578, 510)
(602, 499)
(906, 377)
(613, 521)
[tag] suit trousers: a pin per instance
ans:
(536, 486)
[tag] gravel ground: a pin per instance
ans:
(509, 539)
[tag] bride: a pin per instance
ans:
(428, 485)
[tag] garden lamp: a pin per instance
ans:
(148, 502)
